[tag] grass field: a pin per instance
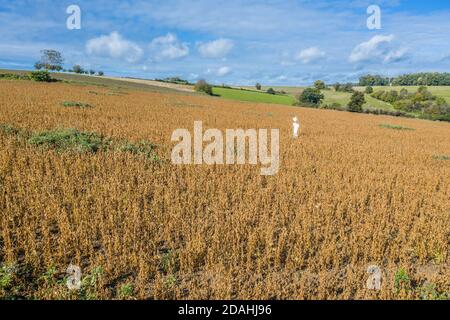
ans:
(253, 96)
(77, 187)
(437, 91)
(343, 98)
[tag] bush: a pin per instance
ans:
(311, 96)
(369, 90)
(74, 104)
(271, 91)
(203, 86)
(78, 69)
(13, 76)
(258, 86)
(41, 76)
(320, 85)
(69, 139)
(348, 87)
(356, 102)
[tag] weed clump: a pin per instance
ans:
(140, 148)
(74, 104)
(70, 139)
(394, 127)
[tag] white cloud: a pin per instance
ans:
(168, 47)
(396, 55)
(114, 46)
(223, 71)
(216, 49)
(310, 55)
(378, 48)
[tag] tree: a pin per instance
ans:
(38, 66)
(356, 102)
(101, 73)
(91, 72)
(311, 96)
(369, 90)
(203, 86)
(337, 86)
(348, 87)
(50, 60)
(320, 85)
(271, 91)
(258, 86)
(373, 80)
(78, 69)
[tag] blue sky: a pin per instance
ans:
(274, 42)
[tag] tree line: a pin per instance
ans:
(412, 79)
(52, 60)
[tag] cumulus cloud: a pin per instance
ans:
(216, 49)
(379, 48)
(223, 71)
(310, 55)
(168, 47)
(114, 46)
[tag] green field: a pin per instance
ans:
(253, 96)
(437, 91)
(331, 96)
(343, 98)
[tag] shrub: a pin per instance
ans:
(203, 86)
(14, 76)
(70, 139)
(402, 282)
(395, 127)
(369, 90)
(74, 104)
(271, 91)
(311, 96)
(356, 102)
(320, 85)
(78, 69)
(41, 76)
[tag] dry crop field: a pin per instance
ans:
(354, 190)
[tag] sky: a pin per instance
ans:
(239, 42)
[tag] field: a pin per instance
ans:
(437, 91)
(343, 98)
(353, 191)
(253, 96)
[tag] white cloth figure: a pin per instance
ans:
(296, 126)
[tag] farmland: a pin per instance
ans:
(354, 190)
(253, 96)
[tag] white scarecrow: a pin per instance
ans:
(296, 126)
